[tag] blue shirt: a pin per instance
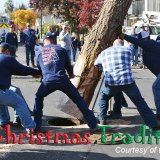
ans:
(29, 37)
(54, 61)
(11, 38)
(10, 66)
(115, 62)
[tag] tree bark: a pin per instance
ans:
(100, 37)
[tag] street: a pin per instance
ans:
(129, 123)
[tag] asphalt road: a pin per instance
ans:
(129, 123)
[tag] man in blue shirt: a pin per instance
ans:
(151, 58)
(10, 66)
(11, 38)
(115, 62)
(54, 34)
(54, 61)
(29, 37)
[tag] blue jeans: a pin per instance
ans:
(69, 53)
(156, 93)
(74, 51)
(18, 92)
(134, 94)
(9, 98)
(134, 55)
(4, 115)
(30, 53)
(68, 88)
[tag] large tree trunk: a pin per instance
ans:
(100, 37)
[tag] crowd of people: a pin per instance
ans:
(54, 64)
(52, 61)
(72, 43)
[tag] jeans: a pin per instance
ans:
(18, 92)
(156, 93)
(68, 88)
(9, 98)
(134, 55)
(69, 53)
(134, 94)
(74, 51)
(30, 51)
(119, 102)
(140, 50)
(4, 115)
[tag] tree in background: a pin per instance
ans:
(51, 24)
(79, 13)
(22, 17)
(89, 12)
(9, 7)
(22, 7)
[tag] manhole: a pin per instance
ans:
(65, 122)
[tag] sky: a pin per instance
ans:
(16, 3)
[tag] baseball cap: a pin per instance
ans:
(49, 37)
(145, 34)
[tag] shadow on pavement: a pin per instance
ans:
(37, 154)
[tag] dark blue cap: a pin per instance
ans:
(5, 46)
(49, 37)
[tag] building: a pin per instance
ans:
(143, 9)
(150, 6)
